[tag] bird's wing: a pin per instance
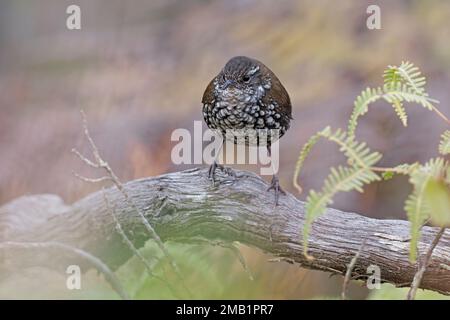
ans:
(208, 95)
(281, 96)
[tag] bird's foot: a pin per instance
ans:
(275, 185)
(212, 171)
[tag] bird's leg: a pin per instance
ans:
(275, 184)
(212, 169)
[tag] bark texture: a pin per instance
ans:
(186, 207)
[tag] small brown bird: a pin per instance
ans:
(247, 98)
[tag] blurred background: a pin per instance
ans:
(139, 68)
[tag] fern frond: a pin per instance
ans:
(361, 106)
(304, 153)
(416, 206)
(358, 153)
(391, 76)
(401, 92)
(444, 145)
(447, 176)
(407, 74)
(340, 179)
(354, 177)
(401, 84)
(417, 212)
(405, 79)
(405, 169)
(400, 111)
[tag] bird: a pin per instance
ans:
(246, 98)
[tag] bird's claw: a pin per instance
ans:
(212, 171)
(275, 185)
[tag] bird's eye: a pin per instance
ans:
(246, 78)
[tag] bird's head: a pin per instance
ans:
(243, 76)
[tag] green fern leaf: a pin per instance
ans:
(388, 175)
(354, 177)
(416, 206)
(340, 179)
(447, 176)
(444, 145)
(391, 76)
(358, 153)
(401, 92)
(401, 84)
(405, 169)
(400, 111)
(361, 106)
(304, 153)
(407, 74)
(437, 195)
(417, 212)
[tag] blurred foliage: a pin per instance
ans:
(437, 196)
(390, 292)
(444, 145)
(430, 197)
(209, 273)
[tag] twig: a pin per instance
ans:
(93, 180)
(440, 114)
(133, 249)
(102, 164)
(282, 259)
(96, 262)
(423, 266)
(235, 250)
(350, 267)
(84, 159)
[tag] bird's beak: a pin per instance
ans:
(227, 84)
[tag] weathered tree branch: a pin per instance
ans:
(186, 207)
(423, 265)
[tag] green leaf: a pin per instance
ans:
(407, 74)
(361, 106)
(444, 145)
(340, 179)
(405, 169)
(400, 111)
(417, 212)
(353, 177)
(358, 153)
(437, 195)
(402, 92)
(401, 84)
(447, 176)
(387, 175)
(303, 154)
(417, 206)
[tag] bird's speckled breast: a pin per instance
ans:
(232, 110)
